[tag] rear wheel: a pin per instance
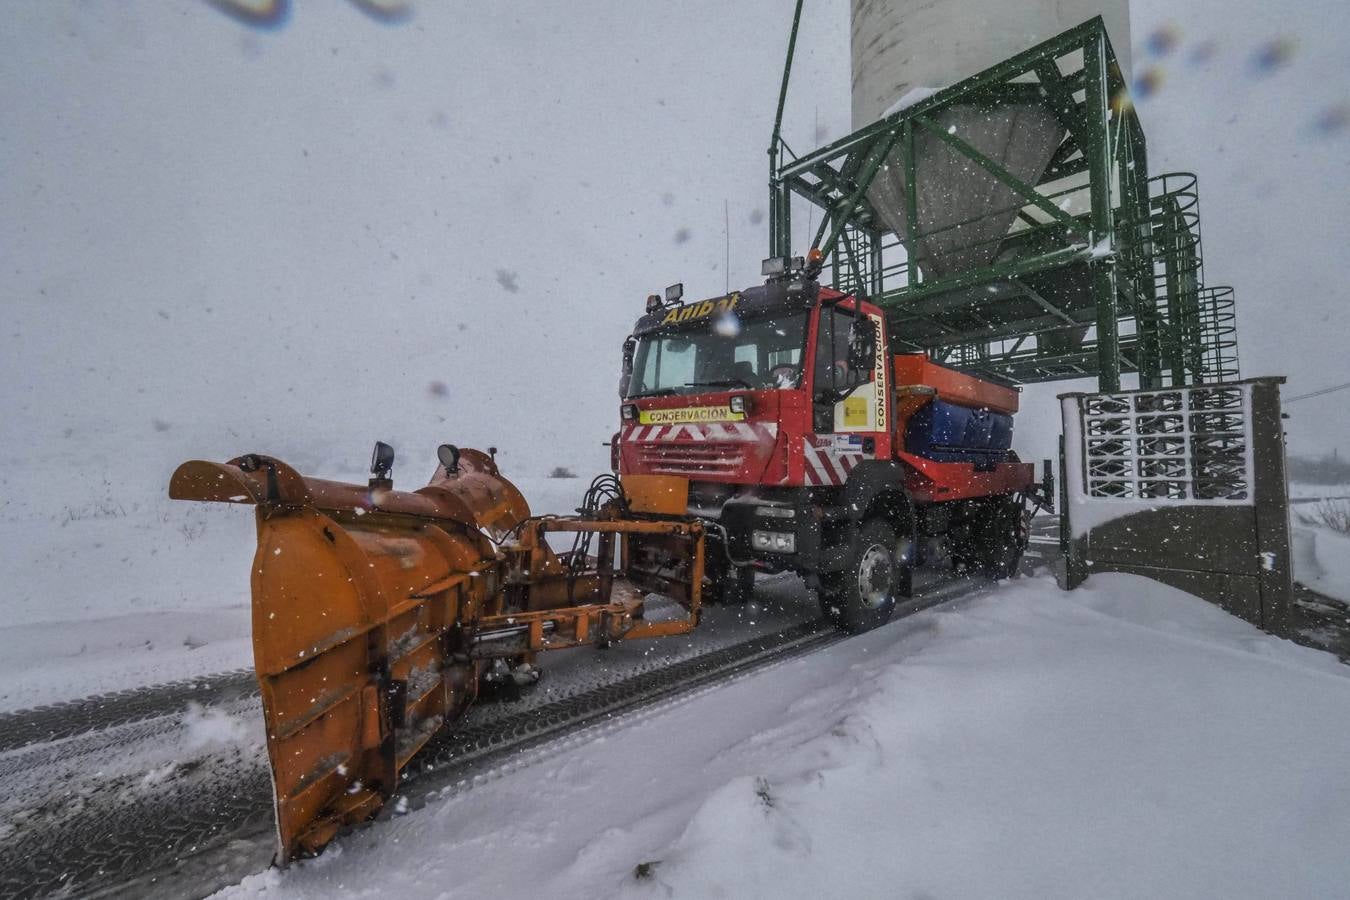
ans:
(862, 596)
(1000, 540)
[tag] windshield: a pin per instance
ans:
(727, 353)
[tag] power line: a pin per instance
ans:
(1327, 390)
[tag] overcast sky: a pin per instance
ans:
(218, 237)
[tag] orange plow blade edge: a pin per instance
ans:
(378, 613)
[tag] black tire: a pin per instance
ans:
(1002, 541)
(863, 595)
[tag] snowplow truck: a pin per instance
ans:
(770, 429)
(786, 419)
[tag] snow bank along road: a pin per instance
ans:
(1121, 740)
(165, 791)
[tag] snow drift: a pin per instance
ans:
(1125, 739)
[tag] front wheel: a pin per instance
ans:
(862, 596)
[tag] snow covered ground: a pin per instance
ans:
(118, 593)
(374, 222)
(1123, 740)
(1327, 569)
(377, 220)
(1321, 553)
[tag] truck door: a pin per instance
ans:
(850, 409)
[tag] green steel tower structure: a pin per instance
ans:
(1074, 264)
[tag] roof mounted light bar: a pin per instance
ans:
(781, 266)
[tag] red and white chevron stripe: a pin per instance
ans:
(829, 467)
(746, 432)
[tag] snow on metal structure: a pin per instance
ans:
(1007, 221)
(1185, 485)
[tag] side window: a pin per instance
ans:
(645, 376)
(825, 374)
(831, 362)
(865, 375)
(677, 361)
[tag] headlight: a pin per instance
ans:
(776, 512)
(628, 411)
(774, 541)
(742, 405)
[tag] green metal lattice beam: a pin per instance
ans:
(1109, 251)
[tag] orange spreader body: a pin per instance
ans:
(953, 386)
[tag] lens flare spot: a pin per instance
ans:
(388, 12)
(1163, 40)
(1149, 82)
(262, 14)
(1273, 55)
(1333, 120)
(1203, 52)
(727, 325)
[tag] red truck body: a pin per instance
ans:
(783, 417)
(775, 443)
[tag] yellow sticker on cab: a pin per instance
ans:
(855, 411)
(687, 414)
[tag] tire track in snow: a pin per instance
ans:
(51, 722)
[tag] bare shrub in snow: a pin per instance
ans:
(562, 472)
(762, 792)
(1333, 514)
(100, 509)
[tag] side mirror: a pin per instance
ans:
(382, 460)
(862, 345)
(448, 454)
(626, 374)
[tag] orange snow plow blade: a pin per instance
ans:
(377, 613)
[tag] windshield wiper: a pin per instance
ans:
(659, 392)
(724, 382)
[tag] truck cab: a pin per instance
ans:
(774, 415)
